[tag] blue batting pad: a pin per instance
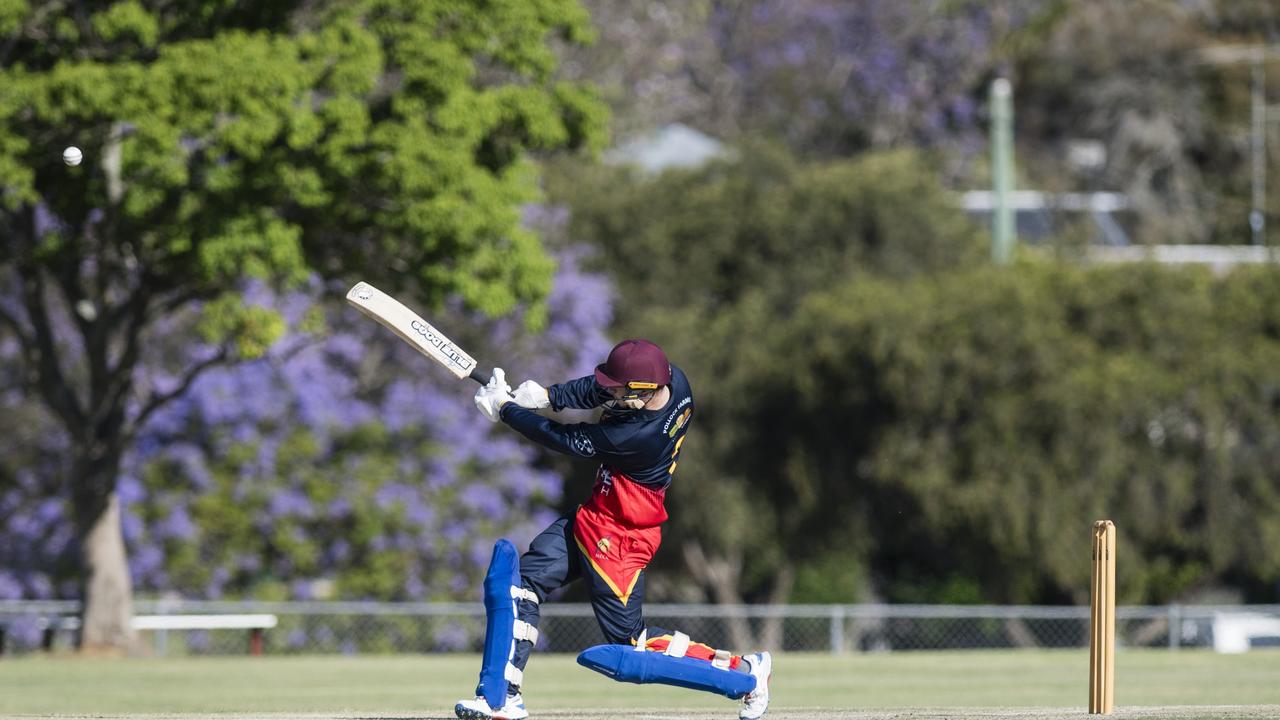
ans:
(626, 664)
(499, 633)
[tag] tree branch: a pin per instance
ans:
(158, 400)
(171, 304)
(119, 379)
(53, 383)
(93, 333)
(17, 328)
(43, 11)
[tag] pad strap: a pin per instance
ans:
(519, 593)
(722, 659)
(679, 645)
(514, 675)
(524, 631)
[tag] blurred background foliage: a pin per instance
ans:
(882, 415)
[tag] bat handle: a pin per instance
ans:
(479, 376)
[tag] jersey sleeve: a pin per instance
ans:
(580, 394)
(584, 440)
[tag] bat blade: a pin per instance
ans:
(411, 328)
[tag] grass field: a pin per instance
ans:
(1021, 684)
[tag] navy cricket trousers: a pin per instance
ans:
(552, 561)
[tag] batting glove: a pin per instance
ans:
(495, 394)
(532, 395)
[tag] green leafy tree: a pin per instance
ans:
(363, 138)
(975, 424)
(711, 263)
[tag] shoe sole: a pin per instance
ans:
(469, 714)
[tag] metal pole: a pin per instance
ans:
(1175, 626)
(1258, 215)
(1002, 224)
(837, 629)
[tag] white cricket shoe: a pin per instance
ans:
(757, 701)
(478, 709)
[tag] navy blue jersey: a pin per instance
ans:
(644, 445)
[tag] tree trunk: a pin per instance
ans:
(721, 575)
(106, 622)
(771, 628)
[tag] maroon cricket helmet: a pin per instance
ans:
(634, 364)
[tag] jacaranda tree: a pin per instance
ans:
(342, 464)
(370, 138)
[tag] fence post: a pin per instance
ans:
(837, 629)
(1175, 626)
(162, 636)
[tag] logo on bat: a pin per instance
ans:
(445, 347)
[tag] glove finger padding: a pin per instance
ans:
(489, 401)
(532, 395)
(499, 380)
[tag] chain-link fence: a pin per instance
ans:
(353, 627)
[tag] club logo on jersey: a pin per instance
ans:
(683, 418)
(582, 444)
(602, 546)
(680, 421)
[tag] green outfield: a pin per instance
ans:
(804, 685)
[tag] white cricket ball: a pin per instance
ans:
(72, 156)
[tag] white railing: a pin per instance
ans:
(373, 627)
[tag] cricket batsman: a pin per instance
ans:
(608, 541)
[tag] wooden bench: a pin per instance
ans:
(162, 624)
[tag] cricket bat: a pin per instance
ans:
(414, 330)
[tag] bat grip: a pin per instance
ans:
(479, 376)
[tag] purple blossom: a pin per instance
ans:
(25, 631)
(129, 489)
(484, 499)
(289, 503)
(217, 581)
(452, 637)
(146, 561)
(10, 587)
(40, 586)
(419, 513)
(311, 462)
(339, 508)
(177, 525)
(876, 72)
(338, 552)
(300, 589)
(132, 526)
(454, 532)
(198, 640)
(414, 586)
(46, 222)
